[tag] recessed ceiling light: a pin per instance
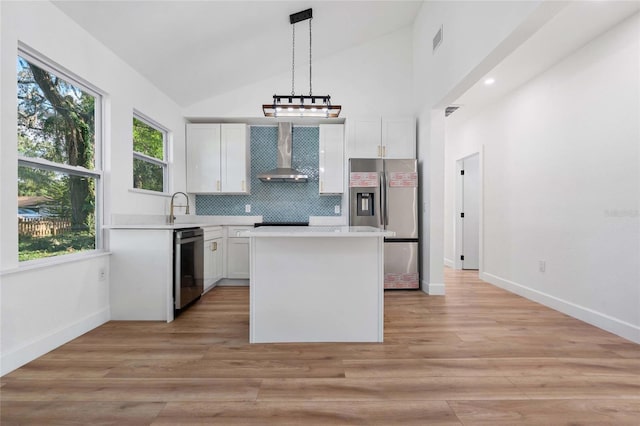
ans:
(489, 81)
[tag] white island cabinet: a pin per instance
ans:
(316, 284)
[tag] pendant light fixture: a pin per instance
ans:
(301, 105)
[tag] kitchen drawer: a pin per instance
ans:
(211, 232)
(234, 231)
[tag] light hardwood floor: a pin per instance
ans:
(479, 355)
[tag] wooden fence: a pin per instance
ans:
(43, 227)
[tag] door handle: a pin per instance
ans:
(382, 198)
(386, 199)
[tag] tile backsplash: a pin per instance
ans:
(277, 201)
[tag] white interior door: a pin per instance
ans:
(470, 214)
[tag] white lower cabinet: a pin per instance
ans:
(213, 256)
(237, 253)
(142, 274)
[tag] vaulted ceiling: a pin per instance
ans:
(194, 50)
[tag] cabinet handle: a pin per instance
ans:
(321, 186)
(379, 151)
(243, 186)
(217, 185)
(214, 245)
(384, 151)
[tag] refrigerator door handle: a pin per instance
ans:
(383, 201)
(384, 205)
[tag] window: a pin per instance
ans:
(149, 155)
(58, 166)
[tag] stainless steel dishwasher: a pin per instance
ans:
(188, 266)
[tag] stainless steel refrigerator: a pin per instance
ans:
(384, 194)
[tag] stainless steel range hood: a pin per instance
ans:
(284, 172)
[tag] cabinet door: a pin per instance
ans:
(209, 264)
(399, 137)
(331, 159)
(234, 158)
(364, 137)
(203, 158)
(217, 270)
(238, 258)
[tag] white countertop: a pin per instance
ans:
(188, 221)
(317, 231)
(182, 221)
(159, 226)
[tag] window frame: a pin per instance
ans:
(97, 173)
(164, 163)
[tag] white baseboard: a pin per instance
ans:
(41, 345)
(449, 263)
(598, 319)
(433, 289)
(232, 282)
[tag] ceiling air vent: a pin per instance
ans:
(450, 110)
(437, 39)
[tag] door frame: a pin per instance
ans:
(457, 231)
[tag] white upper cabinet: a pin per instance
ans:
(203, 157)
(331, 159)
(398, 137)
(235, 162)
(217, 160)
(365, 138)
(381, 137)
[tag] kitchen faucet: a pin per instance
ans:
(172, 218)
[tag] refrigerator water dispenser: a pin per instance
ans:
(364, 204)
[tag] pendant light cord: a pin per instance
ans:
(293, 61)
(310, 91)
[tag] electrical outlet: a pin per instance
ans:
(336, 209)
(542, 266)
(247, 208)
(102, 274)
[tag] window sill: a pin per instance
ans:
(147, 192)
(31, 265)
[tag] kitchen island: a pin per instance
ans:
(316, 284)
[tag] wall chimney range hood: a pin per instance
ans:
(284, 172)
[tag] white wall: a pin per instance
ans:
(75, 299)
(562, 183)
(45, 307)
(372, 78)
(476, 37)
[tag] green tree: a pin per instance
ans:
(150, 142)
(56, 123)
